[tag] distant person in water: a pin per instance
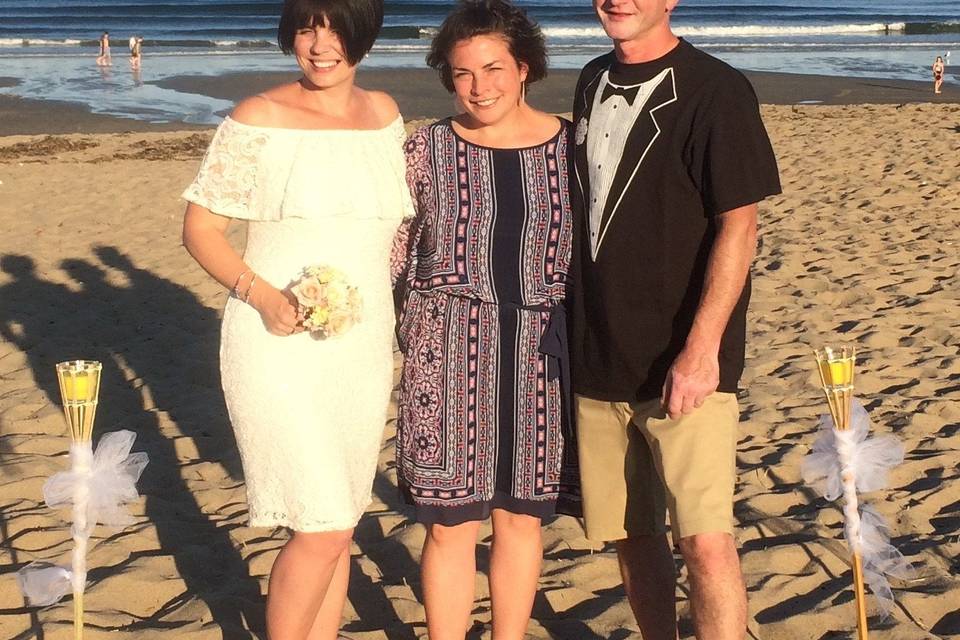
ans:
(104, 59)
(938, 68)
(136, 42)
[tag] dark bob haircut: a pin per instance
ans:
(473, 18)
(357, 22)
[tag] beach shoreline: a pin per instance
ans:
(420, 95)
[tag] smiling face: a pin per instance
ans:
(487, 79)
(320, 54)
(634, 20)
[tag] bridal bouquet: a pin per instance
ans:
(331, 306)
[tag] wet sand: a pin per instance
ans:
(420, 95)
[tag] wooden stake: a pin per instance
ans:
(78, 616)
(862, 633)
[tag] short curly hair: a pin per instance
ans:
(473, 18)
(358, 23)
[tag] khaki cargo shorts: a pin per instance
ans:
(636, 464)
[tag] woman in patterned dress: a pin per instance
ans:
(316, 167)
(482, 406)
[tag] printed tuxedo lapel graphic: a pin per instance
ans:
(626, 144)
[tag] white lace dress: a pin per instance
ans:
(308, 413)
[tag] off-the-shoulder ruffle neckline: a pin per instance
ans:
(392, 125)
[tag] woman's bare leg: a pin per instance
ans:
(327, 623)
(301, 579)
(516, 557)
(448, 568)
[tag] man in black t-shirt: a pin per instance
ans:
(671, 157)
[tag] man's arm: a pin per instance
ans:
(695, 373)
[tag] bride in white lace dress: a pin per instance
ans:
(317, 169)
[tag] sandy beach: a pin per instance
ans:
(863, 248)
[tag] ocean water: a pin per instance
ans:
(47, 46)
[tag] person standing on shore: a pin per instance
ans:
(317, 168)
(671, 158)
(104, 59)
(938, 69)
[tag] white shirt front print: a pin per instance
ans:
(611, 122)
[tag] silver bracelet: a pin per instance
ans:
(246, 296)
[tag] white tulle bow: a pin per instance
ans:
(43, 584)
(98, 486)
(109, 480)
(841, 463)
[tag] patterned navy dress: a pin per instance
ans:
(483, 410)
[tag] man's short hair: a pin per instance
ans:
(357, 22)
(473, 18)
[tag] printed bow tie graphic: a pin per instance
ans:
(627, 93)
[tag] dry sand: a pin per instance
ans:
(863, 247)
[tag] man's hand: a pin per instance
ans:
(695, 373)
(693, 376)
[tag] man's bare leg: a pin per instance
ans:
(650, 579)
(718, 596)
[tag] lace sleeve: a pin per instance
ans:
(228, 182)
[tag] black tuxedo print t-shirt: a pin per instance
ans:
(660, 149)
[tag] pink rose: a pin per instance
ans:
(339, 323)
(310, 293)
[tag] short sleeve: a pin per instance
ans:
(409, 208)
(402, 256)
(229, 178)
(733, 160)
(416, 153)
